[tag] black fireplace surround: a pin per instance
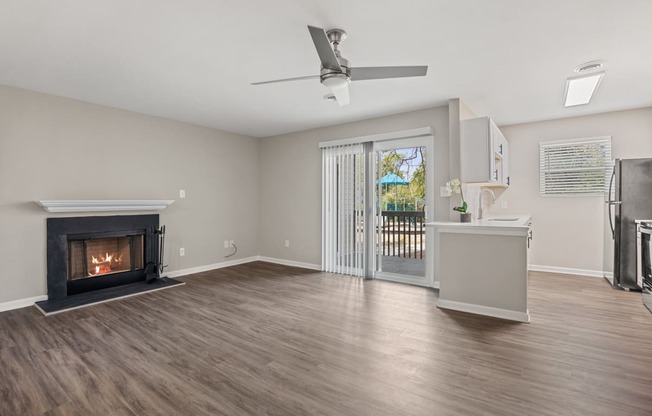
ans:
(61, 231)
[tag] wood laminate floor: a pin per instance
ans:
(264, 339)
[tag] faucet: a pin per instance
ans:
(493, 200)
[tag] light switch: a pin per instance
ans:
(182, 193)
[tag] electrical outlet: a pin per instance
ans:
(503, 204)
(287, 243)
(226, 244)
(182, 251)
(231, 243)
(182, 193)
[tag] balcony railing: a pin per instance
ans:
(403, 234)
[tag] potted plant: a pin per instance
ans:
(454, 186)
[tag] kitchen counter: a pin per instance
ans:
(481, 266)
(497, 224)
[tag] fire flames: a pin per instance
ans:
(105, 263)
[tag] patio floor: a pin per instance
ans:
(401, 265)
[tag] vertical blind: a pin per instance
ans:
(343, 221)
(575, 167)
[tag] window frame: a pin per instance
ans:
(608, 165)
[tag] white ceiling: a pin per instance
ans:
(193, 60)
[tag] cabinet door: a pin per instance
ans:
(497, 144)
(476, 146)
(505, 162)
(483, 149)
(494, 154)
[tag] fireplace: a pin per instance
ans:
(86, 254)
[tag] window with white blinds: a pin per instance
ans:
(577, 167)
(343, 221)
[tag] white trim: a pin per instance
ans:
(565, 270)
(209, 267)
(422, 140)
(106, 300)
(96, 205)
(401, 134)
(402, 278)
(292, 263)
(21, 303)
(215, 266)
(590, 139)
(484, 310)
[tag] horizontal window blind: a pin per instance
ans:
(343, 221)
(578, 167)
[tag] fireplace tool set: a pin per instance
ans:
(153, 271)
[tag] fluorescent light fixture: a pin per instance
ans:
(579, 90)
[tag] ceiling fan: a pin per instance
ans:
(336, 74)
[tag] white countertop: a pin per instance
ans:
(495, 223)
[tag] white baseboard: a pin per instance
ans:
(208, 267)
(484, 310)
(215, 266)
(565, 270)
(21, 303)
(290, 263)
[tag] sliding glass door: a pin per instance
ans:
(376, 199)
(403, 200)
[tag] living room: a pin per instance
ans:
(151, 102)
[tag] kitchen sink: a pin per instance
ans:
(502, 219)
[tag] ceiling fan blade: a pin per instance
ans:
(323, 46)
(341, 95)
(380, 72)
(286, 79)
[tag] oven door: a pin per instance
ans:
(644, 266)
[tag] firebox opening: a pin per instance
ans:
(95, 257)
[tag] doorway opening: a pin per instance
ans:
(402, 197)
(376, 200)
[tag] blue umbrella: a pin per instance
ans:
(392, 179)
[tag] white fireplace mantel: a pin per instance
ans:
(96, 205)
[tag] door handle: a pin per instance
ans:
(611, 223)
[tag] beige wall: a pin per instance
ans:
(258, 192)
(568, 231)
(57, 148)
(290, 180)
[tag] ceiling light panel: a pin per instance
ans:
(579, 90)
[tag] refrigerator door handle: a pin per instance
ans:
(611, 223)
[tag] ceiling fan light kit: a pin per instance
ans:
(336, 72)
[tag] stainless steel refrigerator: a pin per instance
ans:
(628, 199)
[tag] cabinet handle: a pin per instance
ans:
(496, 174)
(501, 149)
(508, 181)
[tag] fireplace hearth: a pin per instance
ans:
(92, 259)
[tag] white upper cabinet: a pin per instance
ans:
(484, 153)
